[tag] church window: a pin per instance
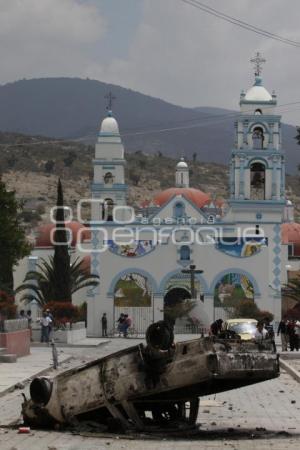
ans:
(185, 253)
(179, 210)
(258, 112)
(258, 138)
(108, 178)
(257, 188)
(107, 210)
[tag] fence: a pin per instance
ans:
(190, 329)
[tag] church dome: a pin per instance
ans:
(109, 125)
(197, 197)
(45, 232)
(290, 234)
(258, 93)
(182, 164)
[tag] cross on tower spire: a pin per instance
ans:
(110, 98)
(258, 61)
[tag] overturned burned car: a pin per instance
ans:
(149, 386)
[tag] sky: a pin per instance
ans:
(164, 48)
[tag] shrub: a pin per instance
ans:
(249, 309)
(63, 312)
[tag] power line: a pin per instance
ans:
(240, 23)
(202, 122)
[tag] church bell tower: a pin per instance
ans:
(257, 161)
(109, 166)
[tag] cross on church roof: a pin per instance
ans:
(258, 61)
(110, 97)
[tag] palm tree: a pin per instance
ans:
(41, 283)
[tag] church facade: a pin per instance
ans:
(235, 247)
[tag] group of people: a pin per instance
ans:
(289, 331)
(123, 323)
(46, 322)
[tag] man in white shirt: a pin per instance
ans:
(45, 327)
(260, 333)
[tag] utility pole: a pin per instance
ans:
(192, 272)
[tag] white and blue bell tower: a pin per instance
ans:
(257, 170)
(109, 171)
(257, 183)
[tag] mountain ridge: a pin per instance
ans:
(72, 108)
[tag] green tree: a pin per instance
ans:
(13, 243)
(292, 289)
(61, 260)
(40, 284)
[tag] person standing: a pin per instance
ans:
(29, 318)
(120, 323)
(270, 330)
(297, 333)
(216, 327)
(261, 333)
(104, 325)
(293, 338)
(127, 324)
(51, 323)
(282, 330)
(45, 322)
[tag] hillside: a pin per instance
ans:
(72, 108)
(32, 165)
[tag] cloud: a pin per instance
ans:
(47, 37)
(188, 57)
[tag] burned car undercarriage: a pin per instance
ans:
(147, 387)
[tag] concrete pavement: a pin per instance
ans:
(263, 416)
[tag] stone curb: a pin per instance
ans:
(290, 370)
(65, 345)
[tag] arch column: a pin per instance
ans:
(242, 176)
(158, 307)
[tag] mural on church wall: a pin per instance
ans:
(133, 290)
(241, 247)
(137, 248)
(232, 289)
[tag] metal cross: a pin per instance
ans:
(192, 271)
(110, 97)
(258, 61)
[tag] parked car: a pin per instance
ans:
(245, 328)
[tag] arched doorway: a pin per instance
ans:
(177, 299)
(133, 295)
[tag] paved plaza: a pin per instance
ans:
(262, 416)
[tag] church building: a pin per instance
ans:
(184, 245)
(145, 260)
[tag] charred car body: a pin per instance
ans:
(146, 386)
